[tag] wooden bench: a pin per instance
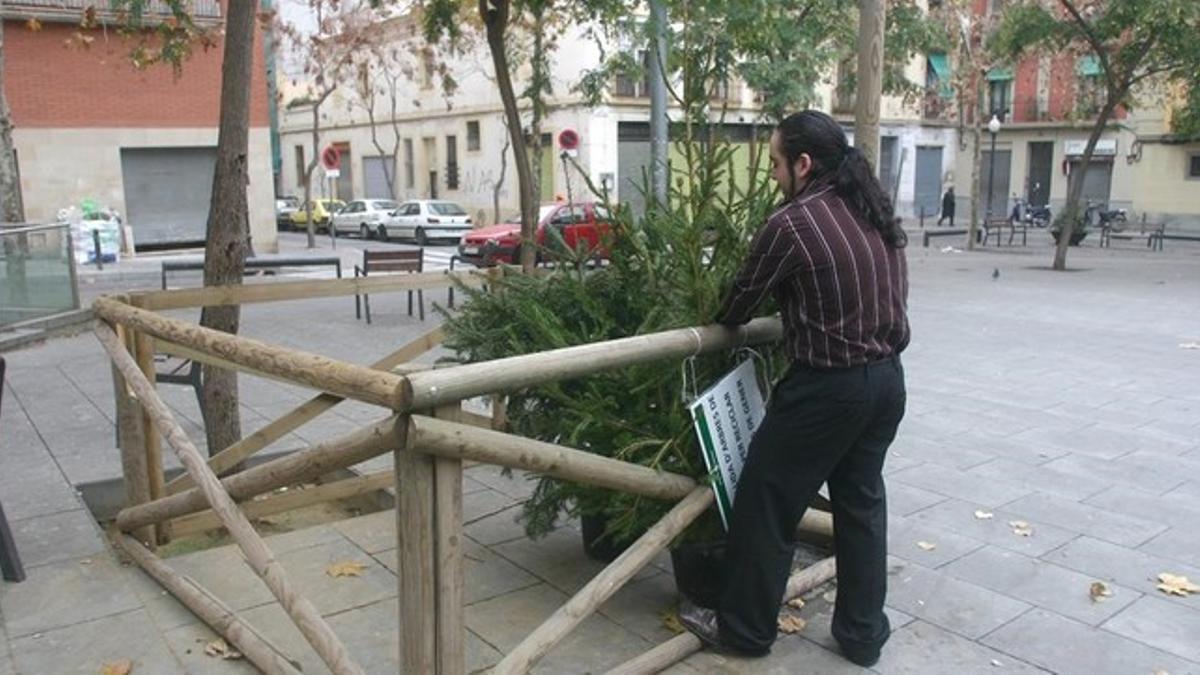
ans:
(1107, 235)
(1156, 239)
(997, 226)
(389, 261)
(256, 263)
(939, 232)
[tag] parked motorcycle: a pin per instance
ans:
(1031, 216)
(1115, 220)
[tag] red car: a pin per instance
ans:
(581, 225)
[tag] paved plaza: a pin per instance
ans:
(1069, 401)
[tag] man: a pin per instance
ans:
(947, 207)
(832, 255)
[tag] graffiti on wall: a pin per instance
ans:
(480, 182)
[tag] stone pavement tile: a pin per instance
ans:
(1051, 478)
(790, 654)
(306, 537)
(489, 575)
(595, 645)
(1180, 543)
(65, 593)
(905, 499)
(225, 573)
(1061, 645)
(519, 485)
(905, 534)
(1040, 583)
(558, 558)
(325, 428)
(497, 528)
(36, 490)
(1004, 448)
(1171, 509)
(1190, 490)
(60, 536)
(934, 596)
(1171, 627)
(938, 451)
(639, 606)
(920, 648)
(818, 612)
(897, 462)
(372, 533)
(1084, 519)
(307, 570)
(959, 484)
(270, 621)
(1132, 568)
(86, 647)
(1094, 441)
(959, 517)
(483, 503)
(1140, 470)
(166, 612)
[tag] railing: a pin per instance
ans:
(430, 437)
(37, 272)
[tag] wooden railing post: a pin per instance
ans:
(415, 555)
(130, 439)
(448, 537)
(151, 441)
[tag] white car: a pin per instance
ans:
(425, 220)
(363, 217)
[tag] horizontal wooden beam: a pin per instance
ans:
(297, 467)
(305, 412)
(450, 439)
(288, 501)
(429, 389)
(291, 365)
(244, 294)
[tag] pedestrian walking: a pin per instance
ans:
(947, 207)
(832, 255)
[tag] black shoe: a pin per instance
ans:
(702, 622)
(860, 656)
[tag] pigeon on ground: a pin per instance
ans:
(996, 273)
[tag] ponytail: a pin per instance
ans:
(856, 184)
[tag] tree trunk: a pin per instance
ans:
(976, 158)
(1075, 191)
(309, 226)
(871, 18)
(10, 189)
(495, 18)
(499, 184)
(225, 249)
(536, 85)
(387, 174)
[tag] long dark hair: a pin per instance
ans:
(822, 138)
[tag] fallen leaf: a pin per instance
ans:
(122, 667)
(1174, 584)
(1099, 591)
(219, 649)
(926, 545)
(984, 515)
(1160, 672)
(796, 603)
(1021, 528)
(791, 624)
(996, 662)
(830, 596)
(670, 620)
(346, 568)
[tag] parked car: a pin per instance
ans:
(363, 216)
(322, 210)
(284, 208)
(581, 225)
(425, 220)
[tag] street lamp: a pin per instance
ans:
(993, 128)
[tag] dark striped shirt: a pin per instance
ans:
(842, 291)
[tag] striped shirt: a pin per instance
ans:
(842, 291)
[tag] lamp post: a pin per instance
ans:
(993, 129)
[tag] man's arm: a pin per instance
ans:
(772, 256)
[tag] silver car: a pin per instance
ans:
(363, 217)
(427, 219)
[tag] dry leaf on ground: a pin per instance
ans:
(220, 649)
(984, 515)
(670, 621)
(829, 596)
(1174, 584)
(926, 545)
(1099, 591)
(1021, 528)
(346, 568)
(122, 667)
(791, 624)
(796, 603)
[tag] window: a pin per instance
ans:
(1091, 90)
(384, 205)
(300, 166)
(410, 178)
(844, 94)
(364, 79)
(473, 136)
(446, 209)
(627, 85)
(999, 85)
(1194, 167)
(427, 68)
(451, 163)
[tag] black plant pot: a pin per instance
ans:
(595, 544)
(700, 572)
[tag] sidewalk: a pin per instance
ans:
(1064, 400)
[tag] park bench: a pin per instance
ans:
(256, 263)
(407, 262)
(1107, 235)
(1156, 239)
(996, 226)
(939, 232)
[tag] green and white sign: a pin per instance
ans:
(726, 416)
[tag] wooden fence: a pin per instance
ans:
(422, 424)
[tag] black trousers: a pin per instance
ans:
(821, 426)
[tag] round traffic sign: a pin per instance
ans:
(568, 139)
(330, 157)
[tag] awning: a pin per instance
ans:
(1088, 65)
(999, 73)
(940, 66)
